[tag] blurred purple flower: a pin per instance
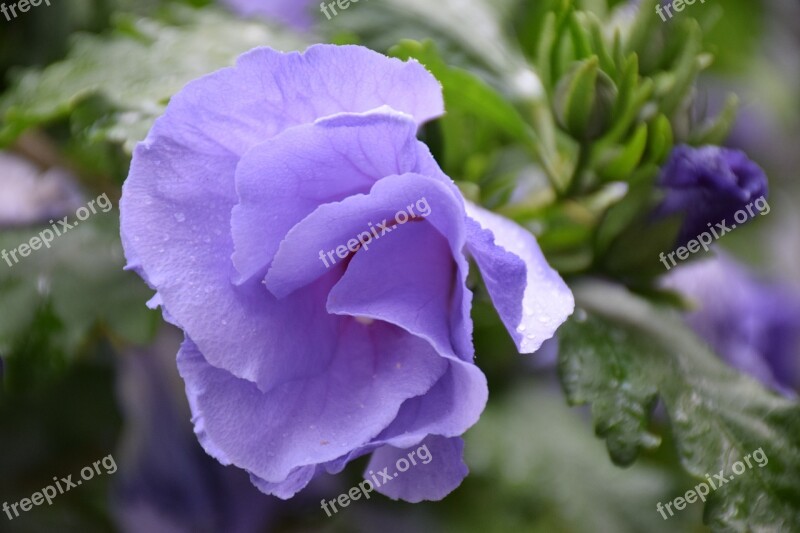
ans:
(166, 483)
(752, 324)
(708, 185)
(293, 366)
(294, 13)
(30, 196)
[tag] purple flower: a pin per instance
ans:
(294, 13)
(294, 367)
(752, 324)
(708, 185)
(30, 196)
(166, 483)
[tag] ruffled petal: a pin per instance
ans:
(309, 421)
(439, 469)
(294, 483)
(530, 297)
(177, 201)
(299, 260)
(282, 181)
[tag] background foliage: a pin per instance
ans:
(573, 158)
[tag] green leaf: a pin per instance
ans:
(581, 40)
(628, 114)
(474, 33)
(476, 114)
(634, 255)
(531, 462)
(56, 428)
(465, 91)
(80, 280)
(624, 160)
(599, 44)
(660, 142)
(166, 57)
(544, 51)
(686, 68)
(717, 130)
(621, 215)
(628, 83)
(620, 353)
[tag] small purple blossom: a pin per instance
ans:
(30, 196)
(752, 324)
(708, 185)
(292, 368)
(294, 13)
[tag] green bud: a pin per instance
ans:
(584, 100)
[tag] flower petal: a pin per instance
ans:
(309, 421)
(441, 475)
(299, 260)
(283, 180)
(294, 13)
(178, 198)
(294, 483)
(531, 298)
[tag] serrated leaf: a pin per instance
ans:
(165, 58)
(529, 434)
(80, 279)
(625, 352)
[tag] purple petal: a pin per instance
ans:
(294, 483)
(180, 192)
(310, 421)
(294, 13)
(443, 473)
(751, 323)
(393, 283)
(311, 165)
(451, 407)
(530, 297)
(332, 225)
(708, 185)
